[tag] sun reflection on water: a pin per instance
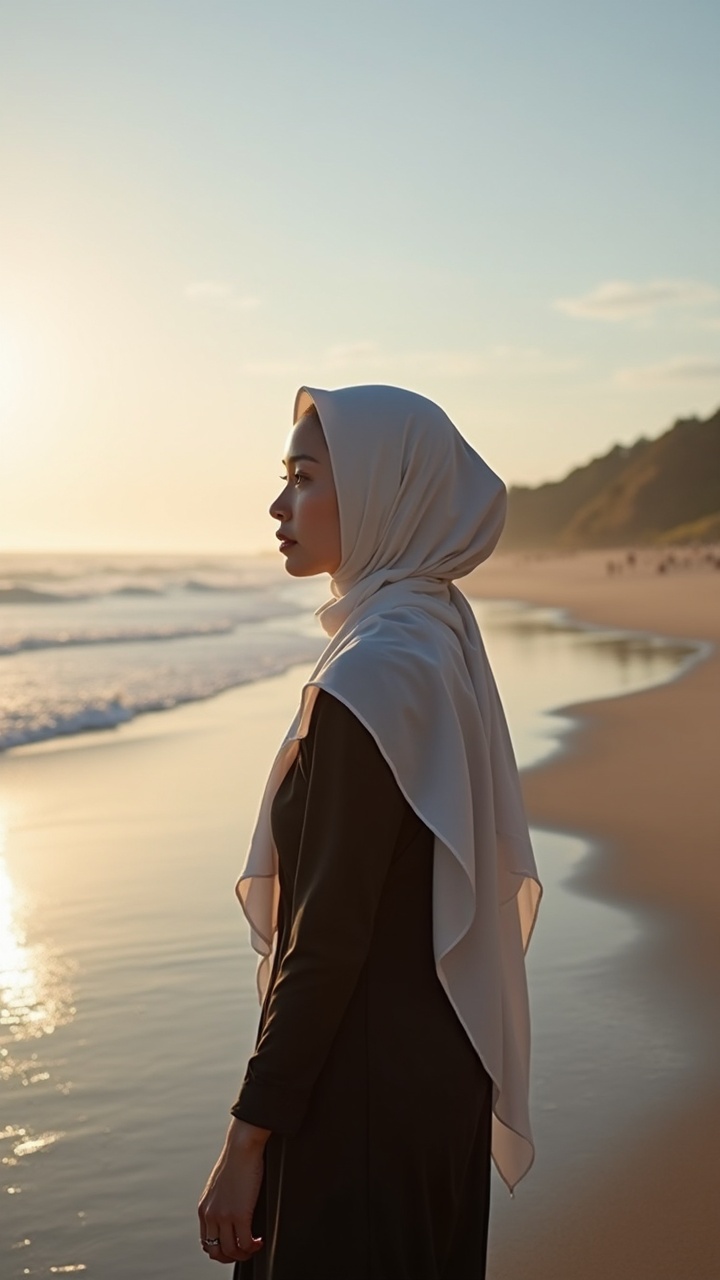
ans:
(22, 1143)
(35, 995)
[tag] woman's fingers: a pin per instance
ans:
(204, 1233)
(248, 1247)
(235, 1242)
(228, 1241)
(210, 1236)
(244, 1238)
(215, 1251)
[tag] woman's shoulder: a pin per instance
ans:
(330, 715)
(337, 738)
(343, 755)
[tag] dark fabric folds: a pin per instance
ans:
(379, 1161)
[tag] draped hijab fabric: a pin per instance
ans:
(419, 508)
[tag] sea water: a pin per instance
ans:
(90, 642)
(127, 996)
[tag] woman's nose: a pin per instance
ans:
(279, 509)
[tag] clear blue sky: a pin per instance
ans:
(513, 208)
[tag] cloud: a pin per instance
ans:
(619, 300)
(221, 294)
(678, 369)
(367, 359)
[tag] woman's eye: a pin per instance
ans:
(299, 475)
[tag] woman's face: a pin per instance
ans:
(307, 507)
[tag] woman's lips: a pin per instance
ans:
(286, 543)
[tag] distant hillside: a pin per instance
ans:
(664, 490)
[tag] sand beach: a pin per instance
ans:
(642, 780)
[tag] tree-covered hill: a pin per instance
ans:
(662, 490)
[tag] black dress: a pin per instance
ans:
(378, 1165)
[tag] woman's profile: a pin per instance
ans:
(390, 884)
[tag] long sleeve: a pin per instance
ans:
(353, 815)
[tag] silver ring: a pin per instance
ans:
(213, 1242)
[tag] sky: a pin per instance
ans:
(511, 207)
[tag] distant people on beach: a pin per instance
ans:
(694, 558)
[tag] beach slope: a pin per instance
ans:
(642, 782)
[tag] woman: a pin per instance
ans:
(391, 866)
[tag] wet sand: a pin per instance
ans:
(642, 780)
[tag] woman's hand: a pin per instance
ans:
(227, 1203)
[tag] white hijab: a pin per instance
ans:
(418, 508)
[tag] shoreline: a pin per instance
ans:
(639, 785)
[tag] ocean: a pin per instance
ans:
(90, 642)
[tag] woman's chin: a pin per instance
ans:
(297, 569)
(295, 566)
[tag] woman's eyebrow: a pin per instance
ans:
(298, 457)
